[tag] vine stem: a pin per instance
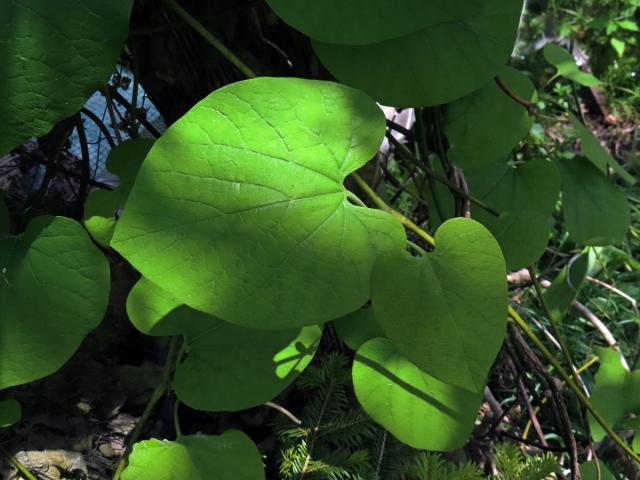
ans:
(568, 379)
(156, 396)
(211, 39)
(515, 317)
(380, 203)
(19, 466)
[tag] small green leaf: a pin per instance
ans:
(53, 59)
(357, 328)
(616, 394)
(487, 124)
(101, 209)
(596, 211)
(227, 367)
(230, 456)
(566, 66)
(53, 291)
(446, 312)
(246, 192)
(10, 412)
(596, 153)
(589, 471)
(416, 408)
(437, 64)
(567, 285)
(525, 197)
(619, 46)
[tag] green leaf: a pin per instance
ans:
(567, 285)
(53, 59)
(230, 456)
(10, 412)
(446, 312)
(227, 367)
(54, 291)
(619, 46)
(101, 208)
(596, 211)
(589, 471)
(596, 153)
(617, 391)
(525, 197)
(435, 65)
(416, 408)
(246, 192)
(566, 65)
(357, 328)
(487, 124)
(362, 22)
(232, 368)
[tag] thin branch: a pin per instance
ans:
(285, 412)
(143, 120)
(19, 466)
(100, 124)
(530, 106)
(213, 41)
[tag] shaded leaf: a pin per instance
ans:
(53, 59)
(426, 67)
(102, 207)
(10, 412)
(525, 197)
(487, 124)
(566, 65)
(357, 328)
(596, 211)
(54, 291)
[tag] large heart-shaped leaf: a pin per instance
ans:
(102, 207)
(447, 311)
(566, 65)
(227, 367)
(53, 59)
(230, 456)
(53, 291)
(487, 124)
(525, 197)
(434, 65)
(10, 412)
(617, 391)
(240, 206)
(596, 211)
(361, 22)
(416, 408)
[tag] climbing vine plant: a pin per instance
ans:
(253, 229)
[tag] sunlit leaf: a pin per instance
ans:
(416, 408)
(53, 291)
(53, 59)
(447, 311)
(227, 367)
(240, 206)
(230, 456)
